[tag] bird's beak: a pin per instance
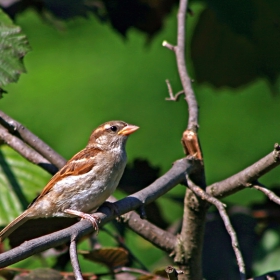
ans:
(128, 129)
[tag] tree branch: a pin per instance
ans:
(26, 151)
(190, 241)
(37, 245)
(172, 97)
(32, 140)
(181, 64)
(182, 69)
(74, 259)
(162, 185)
(221, 208)
(160, 238)
(246, 177)
(189, 249)
(270, 194)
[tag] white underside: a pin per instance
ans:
(88, 191)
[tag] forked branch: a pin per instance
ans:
(221, 208)
(179, 50)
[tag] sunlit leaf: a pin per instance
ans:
(13, 47)
(20, 182)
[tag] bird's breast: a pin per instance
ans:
(88, 191)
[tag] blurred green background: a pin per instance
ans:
(85, 74)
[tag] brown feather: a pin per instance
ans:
(80, 163)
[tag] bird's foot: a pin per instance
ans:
(94, 219)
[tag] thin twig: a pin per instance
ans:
(74, 259)
(250, 174)
(32, 140)
(270, 194)
(172, 97)
(26, 151)
(221, 208)
(182, 68)
(158, 237)
(131, 269)
(179, 50)
(169, 46)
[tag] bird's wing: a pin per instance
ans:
(80, 163)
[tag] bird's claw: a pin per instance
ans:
(93, 219)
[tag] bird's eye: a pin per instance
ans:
(113, 128)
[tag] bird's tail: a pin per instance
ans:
(21, 219)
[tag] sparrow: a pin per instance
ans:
(85, 182)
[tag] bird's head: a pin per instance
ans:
(111, 134)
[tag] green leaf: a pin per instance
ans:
(20, 182)
(267, 252)
(13, 47)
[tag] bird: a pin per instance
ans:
(86, 180)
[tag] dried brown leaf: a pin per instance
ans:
(111, 257)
